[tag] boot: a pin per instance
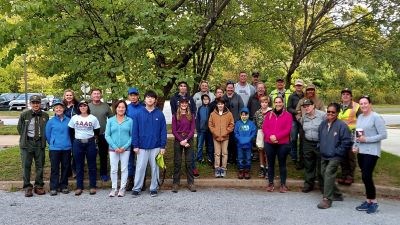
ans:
(246, 174)
(240, 174)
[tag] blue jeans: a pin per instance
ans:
(280, 150)
(205, 136)
(88, 150)
(59, 158)
(244, 157)
(131, 164)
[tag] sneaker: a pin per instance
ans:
(324, 204)
(129, 183)
(270, 187)
(112, 193)
(53, 192)
(92, 191)
(307, 189)
(153, 193)
(175, 188)
(240, 174)
(372, 208)
(261, 173)
(192, 188)
(363, 207)
(39, 190)
(135, 194)
(223, 173)
(78, 192)
(104, 178)
(217, 172)
(65, 191)
(28, 192)
(196, 173)
(121, 192)
(283, 188)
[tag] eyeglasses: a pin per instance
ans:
(331, 112)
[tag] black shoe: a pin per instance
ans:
(135, 194)
(337, 198)
(307, 189)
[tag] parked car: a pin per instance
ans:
(4, 103)
(19, 103)
(10, 96)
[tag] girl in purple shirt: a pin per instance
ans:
(183, 126)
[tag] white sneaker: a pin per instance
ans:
(112, 193)
(121, 192)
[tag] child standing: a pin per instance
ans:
(221, 124)
(183, 131)
(245, 131)
(203, 133)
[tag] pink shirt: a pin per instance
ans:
(279, 126)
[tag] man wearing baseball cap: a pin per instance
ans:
(133, 108)
(294, 99)
(32, 142)
(349, 111)
(280, 91)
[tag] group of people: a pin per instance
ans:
(230, 123)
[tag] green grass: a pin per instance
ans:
(387, 109)
(8, 130)
(386, 171)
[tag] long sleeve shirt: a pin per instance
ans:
(374, 131)
(183, 128)
(119, 135)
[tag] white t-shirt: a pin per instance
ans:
(84, 126)
(245, 92)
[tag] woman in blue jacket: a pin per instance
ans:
(119, 137)
(57, 135)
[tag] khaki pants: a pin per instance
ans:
(221, 148)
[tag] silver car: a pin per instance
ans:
(19, 103)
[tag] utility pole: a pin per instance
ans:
(26, 81)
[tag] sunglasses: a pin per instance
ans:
(331, 112)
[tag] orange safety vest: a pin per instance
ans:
(349, 116)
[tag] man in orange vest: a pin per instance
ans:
(349, 111)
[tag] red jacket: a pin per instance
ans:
(279, 126)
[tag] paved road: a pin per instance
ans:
(207, 206)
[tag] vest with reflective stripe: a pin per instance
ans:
(349, 116)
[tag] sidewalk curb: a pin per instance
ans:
(355, 189)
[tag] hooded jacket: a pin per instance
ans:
(245, 131)
(221, 125)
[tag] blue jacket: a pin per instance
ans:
(149, 129)
(244, 133)
(335, 142)
(119, 135)
(203, 113)
(133, 108)
(174, 102)
(57, 134)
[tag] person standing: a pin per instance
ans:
(133, 108)
(371, 130)
(310, 122)
(254, 102)
(84, 127)
(183, 128)
(244, 89)
(245, 131)
(102, 112)
(276, 128)
(280, 91)
(149, 139)
(349, 112)
(259, 119)
(119, 137)
(255, 79)
(204, 90)
(334, 140)
(219, 92)
(203, 132)
(294, 99)
(221, 124)
(59, 140)
(234, 103)
(32, 142)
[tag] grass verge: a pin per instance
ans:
(386, 171)
(8, 130)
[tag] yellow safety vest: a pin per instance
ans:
(349, 116)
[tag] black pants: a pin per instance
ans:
(59, 160)
(367, 165)
(103, 154)
(348, 164)
(232, 150)
(178, 151)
